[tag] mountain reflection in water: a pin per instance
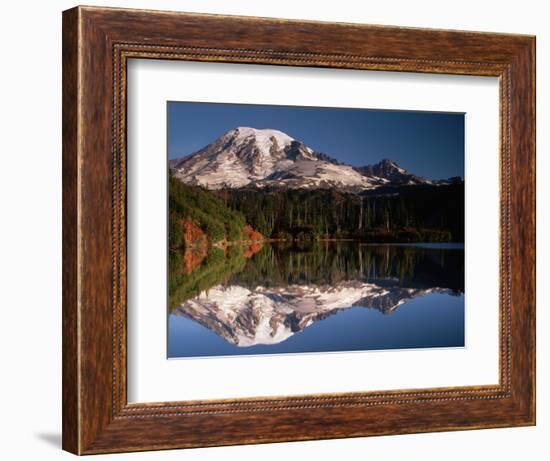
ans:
(322, 296)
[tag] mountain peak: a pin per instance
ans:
(390, 172)
(388, 163)
(263, 136)
(266, 157)
(241, 156)
(249, 131)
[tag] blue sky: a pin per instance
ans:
(429, 144)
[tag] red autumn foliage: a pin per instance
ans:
(252, 249)
(252, 234)
(193, 258)
(193, 234)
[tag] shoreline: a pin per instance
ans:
(225, 244)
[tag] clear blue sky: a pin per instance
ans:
(425, 143)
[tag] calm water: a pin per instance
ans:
(319, 297)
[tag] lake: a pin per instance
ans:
(283, 297)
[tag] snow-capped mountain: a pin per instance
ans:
(252, 157)
(391, 172)
(262, 158)
(269, 315)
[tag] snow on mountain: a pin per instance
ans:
(262, 158)
(236, 159)
(248, 156)
(269, 315)
(317, 174)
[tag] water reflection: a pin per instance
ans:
(258, 300)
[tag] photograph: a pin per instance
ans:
(313, 229)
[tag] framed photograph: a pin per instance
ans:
(269, 238)
(282, 230)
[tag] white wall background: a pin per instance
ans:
(30, 230)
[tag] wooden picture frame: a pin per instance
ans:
(97, 43)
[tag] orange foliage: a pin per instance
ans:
(252, 249)
(193, 258)
(252, 234)
(192, 234)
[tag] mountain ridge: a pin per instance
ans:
(266, 158)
